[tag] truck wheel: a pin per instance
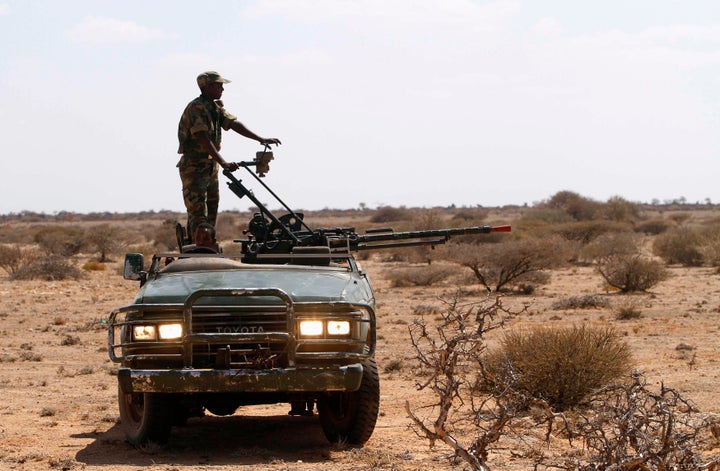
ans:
(145, 417)
(350, 417)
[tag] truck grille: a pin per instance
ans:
(240, 353)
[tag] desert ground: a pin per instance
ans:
(58, 387)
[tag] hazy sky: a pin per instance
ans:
(377, 102)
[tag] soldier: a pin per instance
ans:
(199, 133)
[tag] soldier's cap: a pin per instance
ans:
(208, 77)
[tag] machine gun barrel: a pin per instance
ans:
(427, 237)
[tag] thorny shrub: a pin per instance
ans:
(579, 360)
(630, 427)
(448, 352)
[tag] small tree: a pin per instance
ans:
(106, 239)
(630, 273)
(498, 265)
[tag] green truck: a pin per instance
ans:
(289, 318)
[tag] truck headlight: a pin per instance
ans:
(338, 327)
(144, 332)
(170, 331)
(311, 328)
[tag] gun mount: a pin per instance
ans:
(269, 236)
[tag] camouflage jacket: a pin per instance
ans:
(201, 114)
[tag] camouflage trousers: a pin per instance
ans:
(200, 192)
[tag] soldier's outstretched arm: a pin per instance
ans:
(240, 128)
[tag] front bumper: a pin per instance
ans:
(342, 378)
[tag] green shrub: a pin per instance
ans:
(561, 366)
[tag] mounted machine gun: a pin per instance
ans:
(269, 237)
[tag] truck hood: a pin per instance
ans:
(302, 284)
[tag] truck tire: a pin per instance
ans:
(349, 417)
(145, 417)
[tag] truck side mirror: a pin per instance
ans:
(133, 269)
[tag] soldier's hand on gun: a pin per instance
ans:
(272, 140)
(230, 166)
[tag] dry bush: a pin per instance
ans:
(609, 245)
(228, 227)
(682, 245)
(576, 206)
(11, 257)
(545, 215)
(711, 246)
(419, 276)
(472, 216)
(385, 214)
(560, 366)
(582, 302)
(628, 310)
(497, 266)
(106, 239)
(585, 232)
(653, 226)
(51, 268)
(163, 236)
(618, 208)
(93, 265)
(60, 240)
(630, 273)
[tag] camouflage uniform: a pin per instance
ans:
(198, 170)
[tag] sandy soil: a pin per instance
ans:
(58, 387)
